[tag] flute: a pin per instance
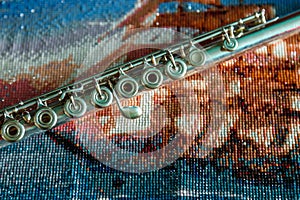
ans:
(46, 111)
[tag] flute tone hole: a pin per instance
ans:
(152, 78)
(128, 87)
(13, 131)
(46, 118)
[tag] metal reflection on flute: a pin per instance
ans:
(44, 112)
(277, 29)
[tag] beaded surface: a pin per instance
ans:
(255, 157)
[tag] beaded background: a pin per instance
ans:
(258, 157)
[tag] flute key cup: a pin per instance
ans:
(152, 78)
(45, 118)
(197, 57)
(178, 71)
(232, 45)
(129, 112)
(12, 131)
(127, 87)
(77, 110)
(103, 100)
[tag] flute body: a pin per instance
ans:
(44, 112)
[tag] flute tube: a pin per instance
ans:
(279, 29)
(258, 36)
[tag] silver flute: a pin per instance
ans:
(46, 111)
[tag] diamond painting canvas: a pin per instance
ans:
(145, 99)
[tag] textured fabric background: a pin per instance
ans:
(44, 45)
